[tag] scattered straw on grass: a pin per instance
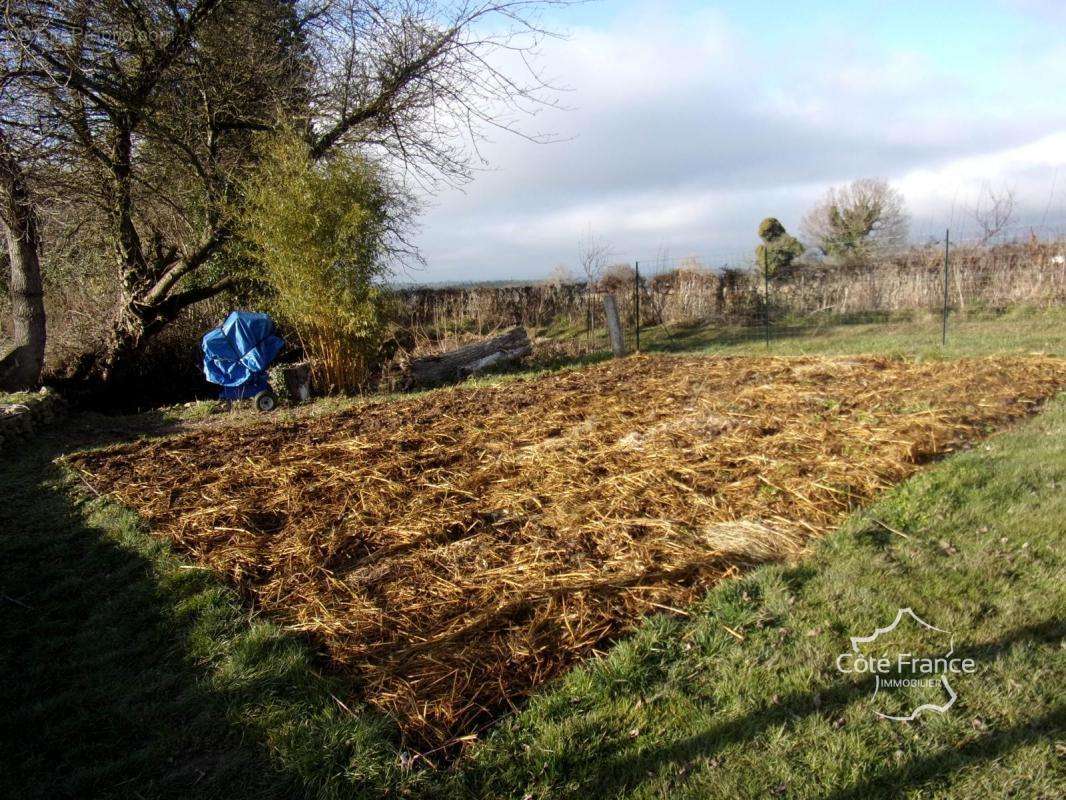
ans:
(455, 550)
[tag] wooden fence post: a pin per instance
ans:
(614, 326)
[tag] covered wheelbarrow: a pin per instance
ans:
(237, 355)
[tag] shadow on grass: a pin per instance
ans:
(614, 776)
(99, 698)
(536, 367)
(703, 336)
(707, 334)
(943, 762)
(112, 684)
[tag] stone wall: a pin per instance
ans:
(28, 413)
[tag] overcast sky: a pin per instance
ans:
(688, 123)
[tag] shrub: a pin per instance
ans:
(778, 250)
(617, 278)
(322, 235)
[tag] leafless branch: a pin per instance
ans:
(993, 212)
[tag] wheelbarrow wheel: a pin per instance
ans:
(266, 401)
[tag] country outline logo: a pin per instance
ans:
(938, 708)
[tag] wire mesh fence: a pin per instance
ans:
(939, 281)
(669, 303)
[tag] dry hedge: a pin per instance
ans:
(454, 550)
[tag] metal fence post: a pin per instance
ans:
(636, 301)
(944, 321)
(766, 295)
(588, 316)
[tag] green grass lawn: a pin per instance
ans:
(913, 334)
(7, 398)
(130, 673)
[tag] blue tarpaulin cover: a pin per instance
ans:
(238, 353)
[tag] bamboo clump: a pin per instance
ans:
(453, 551)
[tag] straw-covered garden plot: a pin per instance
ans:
(454, 550)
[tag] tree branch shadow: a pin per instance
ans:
(621, 773)
(109, 686)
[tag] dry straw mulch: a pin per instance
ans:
(454, 550)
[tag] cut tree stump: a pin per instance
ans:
(297, 379)
(463, 362)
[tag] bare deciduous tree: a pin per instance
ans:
(866, 218)
(993, 212)
(592, 257)
(151, 110)
(21, 367)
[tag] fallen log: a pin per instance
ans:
(463, 362)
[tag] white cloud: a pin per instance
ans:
(1028, 170)
(684, 133)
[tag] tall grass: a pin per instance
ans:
(996, 277)
(1029, 273)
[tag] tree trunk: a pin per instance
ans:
(92, 377)
(468, 360)
(21, 368)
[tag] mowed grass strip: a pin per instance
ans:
(455, 551)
